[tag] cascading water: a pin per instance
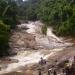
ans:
(50, 45)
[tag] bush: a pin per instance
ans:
(4, 38)
(44, 29)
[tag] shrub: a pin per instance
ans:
(44, 29)
(4, 38)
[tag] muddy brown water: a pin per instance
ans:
(33, 70)
(17, 64)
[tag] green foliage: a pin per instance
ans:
(4, 38)
(8, 12)
(59, 14)
(44, 29)
(8, 19)
(28, 10)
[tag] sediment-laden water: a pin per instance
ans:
(30, 45)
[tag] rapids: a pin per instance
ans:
(48, 46)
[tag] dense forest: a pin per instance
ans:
(60, 14)
(57, 13)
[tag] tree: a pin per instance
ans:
(59, 14)
(8, 21)
(4, 38)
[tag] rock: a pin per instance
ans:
(29, 72)
(62, 63)
(12, 53)
(21, 40)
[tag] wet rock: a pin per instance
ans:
(62, 63)
(12, 53)
(22, 40)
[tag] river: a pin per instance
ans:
(49, 46)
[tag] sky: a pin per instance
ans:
(24, 0)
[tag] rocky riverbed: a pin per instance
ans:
(30, 45)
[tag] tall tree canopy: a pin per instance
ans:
(8, 20)
(60, 14)
(28, 10)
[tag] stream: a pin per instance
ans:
(30, 45)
